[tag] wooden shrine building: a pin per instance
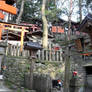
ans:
(86, 27)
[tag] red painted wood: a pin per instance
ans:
(1, 15)
(7, 8)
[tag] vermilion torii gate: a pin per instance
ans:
(6, 6)
(14, 27)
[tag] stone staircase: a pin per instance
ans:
(3, 88)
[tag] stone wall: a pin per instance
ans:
(15, 70)
(54, 69)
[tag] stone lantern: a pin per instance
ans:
(33, 47)
(2, 53)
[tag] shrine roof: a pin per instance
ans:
(88, 64)
(86, 24)
(32, 45)
(13, 36)
(39, 33)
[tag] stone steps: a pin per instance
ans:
(3, 88)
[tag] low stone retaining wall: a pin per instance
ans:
(15, 70)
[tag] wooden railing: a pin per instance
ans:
(49, 55)
(43, 55)
(14, 50)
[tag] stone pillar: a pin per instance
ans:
(31, 72)
(53, 90)
(74, 85)
(2, 52)
(22, 89)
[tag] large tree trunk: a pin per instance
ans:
(80, 10)
(21, 12)
(45, 26)
(67, 60)
(67, 72)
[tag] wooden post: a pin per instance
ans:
(22, 89)
(46, 55)
(57, 55)
(42, 54)
(60, 55)
(50, 54)
(10, 50)
(22, 38)
(53, 55)
(31, 72)
(39, 54)
(14, 50)
(17, 54)
(0, 33)
(67, 71)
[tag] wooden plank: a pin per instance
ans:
(8, 8)
(86, 54)
(11, 24)
(15, 29)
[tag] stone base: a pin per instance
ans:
(31, 91)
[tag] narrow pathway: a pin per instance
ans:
(3, 88)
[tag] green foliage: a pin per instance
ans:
(32, 10)
(52, 14)
(89, 1)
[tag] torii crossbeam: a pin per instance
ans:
(7, 8)
(14, 27)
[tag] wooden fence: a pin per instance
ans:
(14, 50)
(49, 55)
(43, 55)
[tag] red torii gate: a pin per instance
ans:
(14, 27)
(7, 7)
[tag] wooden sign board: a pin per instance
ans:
(78, 44)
